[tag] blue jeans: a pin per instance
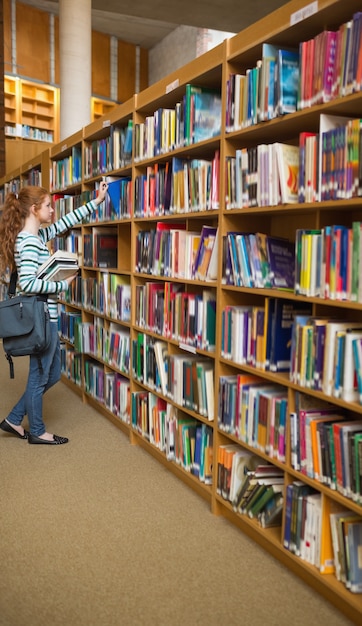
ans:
(31, 402)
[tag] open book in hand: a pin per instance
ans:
(59, 266)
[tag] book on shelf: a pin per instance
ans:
(242, 461)
(59, 266)
(287, 81)
(283, 314)
(266, 493)
(267, 82)
(287, 159)
(161, 349)
(256, 473)
(225, 462)
(271, 515)
(332, 180)
(349, 387)
(118, 297)
(357, 358)
(354, 547)
(119, 194)
(333, 327)
(205, 262)
(281, 259)
(307, 169)
(203, 113)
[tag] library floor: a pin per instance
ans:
(97, 533)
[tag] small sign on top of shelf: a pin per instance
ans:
(171, 86)
(302, 14)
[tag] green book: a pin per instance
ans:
(261, 503)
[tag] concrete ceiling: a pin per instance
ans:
(147, 22)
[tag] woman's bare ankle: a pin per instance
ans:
(19, 429)
(47, 436)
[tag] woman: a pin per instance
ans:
(23, 247)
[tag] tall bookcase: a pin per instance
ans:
(95, 324)
(31, 109)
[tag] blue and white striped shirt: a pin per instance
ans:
(31, 251)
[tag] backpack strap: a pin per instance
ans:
(12, 284)
(11, 365)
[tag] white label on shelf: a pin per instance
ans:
(302, 14)
(172, 86)
(64, 147)
(184, 346)
(106, 123)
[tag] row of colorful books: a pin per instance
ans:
(254, 488)
(254, 412)
(109, 389)
(118, 202)
(323, 68)
(110, 153)
(66, 172)
(261, 336)
(71, 364)
(178, 186)
(170, 250)
(181, 438)
(325, 356)
(33, 177)
(328, 262)
(111, 345)
(265, 91)
(323, 166)
(326, 445)
(323, 533)
(64, 203)
(186, 379)
(109, 295)
(168, 310)
(195, 118)
(100, 247)
(262, 175)
(321, 262)
(330, 162)
(257, 260)
(67, 322)
(117, 398)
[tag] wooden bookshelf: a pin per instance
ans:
(31, 110)
(11, 99)
(286, 27)
(101, 107)
(35, 171)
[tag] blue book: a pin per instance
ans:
(354, 542)
(195, 469)
(281, 256)
(269, 59)
(206, 121)
(287, 81)
(281, 332)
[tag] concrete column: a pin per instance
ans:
(75, 47)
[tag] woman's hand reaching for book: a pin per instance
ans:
(103, 186)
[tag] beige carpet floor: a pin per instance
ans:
(98, 533)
